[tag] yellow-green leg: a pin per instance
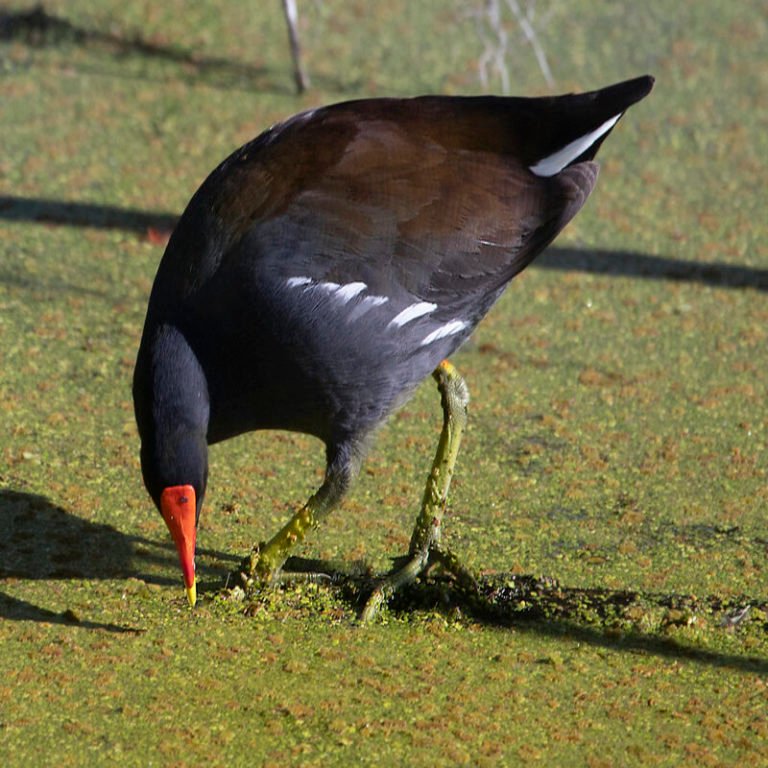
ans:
(426, 534)
(265, 562)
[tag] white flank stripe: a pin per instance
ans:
(449, 329)
(411, 313)
(348, 292)
(554, 163)
(297, 282)
(374, 301)
(329, 287)
(366, 305)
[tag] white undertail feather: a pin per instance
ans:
(554, 163)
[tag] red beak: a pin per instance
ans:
(178, 507)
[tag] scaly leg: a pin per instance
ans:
(265, 561)
(426, 534)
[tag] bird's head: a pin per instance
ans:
(172, 410)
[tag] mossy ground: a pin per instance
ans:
(616, 447)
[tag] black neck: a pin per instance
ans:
(172, 410)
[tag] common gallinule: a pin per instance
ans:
(326, 268)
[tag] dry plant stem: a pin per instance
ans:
(292, 19)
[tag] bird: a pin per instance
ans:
(326, 268)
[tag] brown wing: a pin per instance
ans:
(367, 192)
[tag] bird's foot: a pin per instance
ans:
(263, 565)
(416, 564)
(252, 573)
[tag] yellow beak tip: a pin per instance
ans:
(192, 594)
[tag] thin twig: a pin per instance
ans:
(292, 19)
(525, 20)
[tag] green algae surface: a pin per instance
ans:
(611, 492)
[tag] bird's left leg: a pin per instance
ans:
(265, 562)
(426, 534)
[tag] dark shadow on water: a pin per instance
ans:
(588, 260)
(599, 617)
(153, 226)
(37, 28)
(638, 265)
(596, 617)
(14, 609)
(90, 215)
(637, 642)
(43, 541)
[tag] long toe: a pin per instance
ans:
(406, 574)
